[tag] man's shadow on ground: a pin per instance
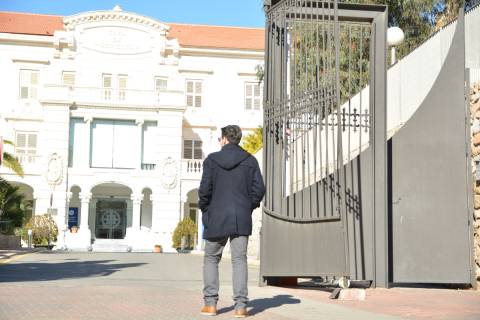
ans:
(260, 305)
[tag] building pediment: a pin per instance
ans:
(115, 15)
(116, 32)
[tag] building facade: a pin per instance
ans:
(112, 114)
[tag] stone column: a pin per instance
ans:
(129, 217)
(155, 213)
(84, 211)
(34, 207)
(183, 200)
(137, 206)
(93, 214)
(87, 132)
(67, 208)
(139, 123)
(85, 234)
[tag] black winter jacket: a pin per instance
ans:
(231, 187)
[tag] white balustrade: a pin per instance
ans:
(192, 169)
(124, 97)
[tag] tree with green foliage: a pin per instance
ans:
(253, 142)
(445, 11)
(410, 16)
(12, 206)
(10, 162)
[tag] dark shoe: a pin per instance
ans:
(209, 311)
(240, 313)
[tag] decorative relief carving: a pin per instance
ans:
(54, 170)
(118, 32)
(169, 172)
(116, 40)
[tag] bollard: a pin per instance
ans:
(30, 233)
(183, 243)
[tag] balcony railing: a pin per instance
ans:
(148, 166)
(31, 163)
(26, 159)
(123, 97)
(192, 169)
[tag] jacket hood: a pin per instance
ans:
(230, 156)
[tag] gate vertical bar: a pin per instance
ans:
(340, 185)
(378, 105)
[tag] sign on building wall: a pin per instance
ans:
(72, 217)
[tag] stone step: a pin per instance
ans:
(110, 246)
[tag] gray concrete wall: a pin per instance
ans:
(10, 242)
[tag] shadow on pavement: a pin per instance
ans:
(34, 271)
(260, 305)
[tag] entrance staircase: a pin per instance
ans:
(109, 245)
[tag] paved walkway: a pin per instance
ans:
(48, 285)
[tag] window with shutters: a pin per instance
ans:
(68, 79)
(253, 96)
(160, 85)
(28, 84)
(113, 143)
(78, 142)
(194, 93)
(122, 86)
(192, 149)
(149, 144)
(107, 86)
(26, 146)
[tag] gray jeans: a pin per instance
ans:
(213, 255)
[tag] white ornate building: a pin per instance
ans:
(112, 112)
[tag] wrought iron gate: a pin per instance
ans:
(334, 205)
(325, 141)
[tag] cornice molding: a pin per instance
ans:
(222, 52)
(96, 106)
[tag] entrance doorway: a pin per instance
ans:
(111, 219)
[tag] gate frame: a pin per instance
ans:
(377, 15)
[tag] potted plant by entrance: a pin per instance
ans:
(158, 248)
(186, 230)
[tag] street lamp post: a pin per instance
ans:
(395, 37)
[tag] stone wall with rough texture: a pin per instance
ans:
(475, 112)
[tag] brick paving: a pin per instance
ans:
(131, 286)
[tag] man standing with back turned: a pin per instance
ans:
(231, 187)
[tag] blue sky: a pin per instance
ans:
(247, 13)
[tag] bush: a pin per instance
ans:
(253, 142)
(12, 207)
(185, 228)
(44, 229)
